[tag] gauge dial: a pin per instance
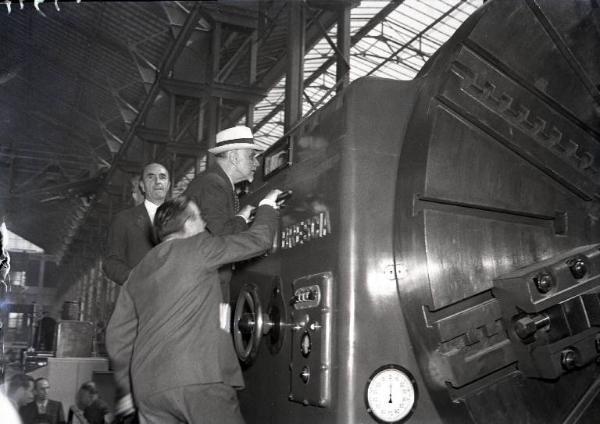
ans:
(391, 394)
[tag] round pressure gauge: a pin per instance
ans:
(391, 394)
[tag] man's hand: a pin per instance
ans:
(246, 212)
(79, 414)
(272, 195)
(125, 406)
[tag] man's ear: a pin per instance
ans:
(233, 156)
(141, 187)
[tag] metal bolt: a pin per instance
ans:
(568, 359)
(543, 282)
(578, 268)
(526, 326)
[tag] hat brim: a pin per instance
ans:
(234, 146)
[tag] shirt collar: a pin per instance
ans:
(151, 208)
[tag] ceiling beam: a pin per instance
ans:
(201, 90)
(234, 16)
(327, 19)
(174, 51)
(373, 22)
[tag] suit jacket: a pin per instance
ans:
(129, 239)
(165, 329)
(54, 413)
(213, 193)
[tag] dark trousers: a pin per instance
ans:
(215, 403)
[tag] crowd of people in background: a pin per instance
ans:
(27, 401)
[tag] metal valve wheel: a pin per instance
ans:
(249, 324)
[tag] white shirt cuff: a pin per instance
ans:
(243, 217)
(268, 202)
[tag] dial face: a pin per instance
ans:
(390, 394)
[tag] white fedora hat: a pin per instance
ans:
(234, 138)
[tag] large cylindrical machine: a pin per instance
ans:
(439, 259)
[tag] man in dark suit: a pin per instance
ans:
(130, 236)
(214, 190)
(20, 390)
(42, 410)
(183, 367)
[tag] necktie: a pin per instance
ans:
(236, 203)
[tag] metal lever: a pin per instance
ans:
(282, 197)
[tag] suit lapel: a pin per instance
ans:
(234, 203)
(142, 219)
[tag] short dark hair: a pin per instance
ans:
(37, 380)
(17, 381)
(152, 163)
(170, 217)
(90, 387)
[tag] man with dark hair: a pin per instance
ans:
(42, 410)
(20, 390)
(183, 367)
(89, 408)
(130, 236)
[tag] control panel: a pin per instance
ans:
(311, 340)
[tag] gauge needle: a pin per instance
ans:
(390, 401)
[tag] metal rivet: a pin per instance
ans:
(543, 282)
(578, 268)
(568, 359)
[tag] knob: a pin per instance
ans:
(305, 374)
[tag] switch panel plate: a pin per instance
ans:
(311, 320)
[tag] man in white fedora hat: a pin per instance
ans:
(214, 190)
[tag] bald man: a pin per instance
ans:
(130, 236)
